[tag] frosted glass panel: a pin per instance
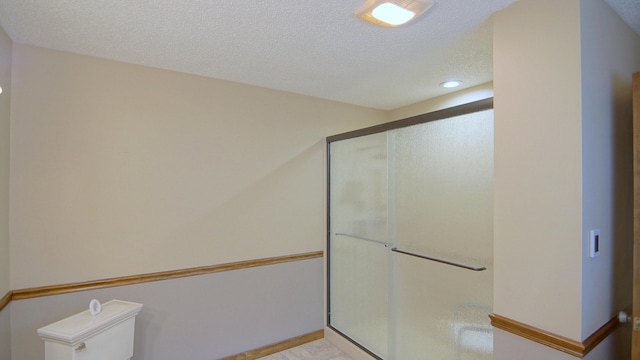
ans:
(425, 189)
(444, 187)
(442, 312)
(443, 173)
(359, 262)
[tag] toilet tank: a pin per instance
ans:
(107, 335)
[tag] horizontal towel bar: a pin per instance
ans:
(395, 249)
(439, 260)
(364, 238)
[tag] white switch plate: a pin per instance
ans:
(594, 243)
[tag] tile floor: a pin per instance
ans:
(315, 350)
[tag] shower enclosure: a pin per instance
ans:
(410, 255)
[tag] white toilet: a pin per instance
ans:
(107, 335)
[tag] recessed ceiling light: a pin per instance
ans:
(392, 13)
(451, 83)
(0, 89)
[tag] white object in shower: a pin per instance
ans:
(108, 335)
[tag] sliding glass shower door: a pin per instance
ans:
(410, 244)
(360, 265)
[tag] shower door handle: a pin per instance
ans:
(472, 268)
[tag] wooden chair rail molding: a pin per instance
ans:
(158, 276)
(571, 347)
(5, 300)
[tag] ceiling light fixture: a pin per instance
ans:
(451, 83)
(392, 13)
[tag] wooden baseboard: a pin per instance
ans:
(277, 347)
(21, 294)
(572, 347)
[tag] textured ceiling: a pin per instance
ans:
(629, 11)
(322, 51)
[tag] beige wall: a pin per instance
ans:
(5, 111)
(120, 169)
(562, 73)
(607, 170)
(537, 196)
(475, 93)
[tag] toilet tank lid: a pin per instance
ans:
(83, 325)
